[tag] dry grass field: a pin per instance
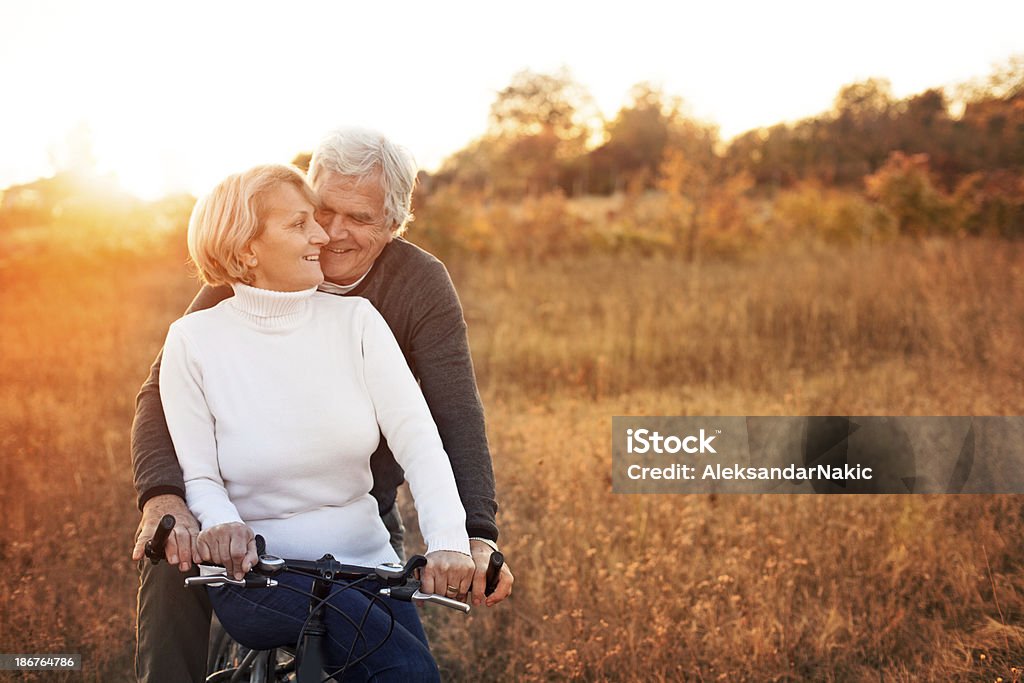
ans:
(609, 587)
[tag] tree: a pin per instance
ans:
(538, 125)
(864, 102)
(905, 188)
(863, 136)
(472, 167)
(650, 123)
(992, 125)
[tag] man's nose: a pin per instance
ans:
(336, 229)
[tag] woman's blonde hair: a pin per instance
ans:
(225, 221)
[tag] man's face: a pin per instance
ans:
(352, 213)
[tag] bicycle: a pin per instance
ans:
(230, 661)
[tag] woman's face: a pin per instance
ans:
(287, 252)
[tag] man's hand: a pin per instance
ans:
(482, 556)
(180, 548)
(232, 545)
(447, 573)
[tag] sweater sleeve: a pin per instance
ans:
(192, 429)
(154, 464)
(440, 353)
(405, 421)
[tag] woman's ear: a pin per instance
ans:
(248, 256)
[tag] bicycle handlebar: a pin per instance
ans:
(399, 580)
(493, 572)
(155, 545)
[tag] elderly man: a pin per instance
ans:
(365, 186)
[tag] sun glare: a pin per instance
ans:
(143, 183)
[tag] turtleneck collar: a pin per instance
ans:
(271, 310)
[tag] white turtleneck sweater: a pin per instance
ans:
(273, 401)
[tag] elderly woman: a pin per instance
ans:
(275, 399)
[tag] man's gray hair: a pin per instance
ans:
(361, 153)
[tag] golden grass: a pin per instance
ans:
(608, 586)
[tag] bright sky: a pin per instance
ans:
(177, 95)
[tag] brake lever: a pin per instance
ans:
(411, 591)
(441, 600)
(216, 580)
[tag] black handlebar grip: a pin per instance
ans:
(415, 562)
(493, 572)
(155, 545)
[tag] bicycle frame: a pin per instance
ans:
(310, 651)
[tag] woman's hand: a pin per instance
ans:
(232, 545)
(447, 573)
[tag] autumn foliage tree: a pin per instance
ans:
(904, 186)
(538, 125)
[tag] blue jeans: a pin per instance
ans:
(265, 618)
